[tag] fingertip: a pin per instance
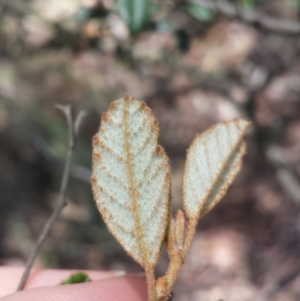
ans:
(11, 276)
(52, 277)
(123, 288)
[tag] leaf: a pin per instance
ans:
(200, 12)
(213, 160)
(130, 180)
(135, 13)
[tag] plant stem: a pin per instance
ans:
(177, 258)
(151, 283)
(190, 233)
(61, 203)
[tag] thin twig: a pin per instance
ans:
(61, 203)
(250, 16)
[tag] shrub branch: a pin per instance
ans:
(73, 127)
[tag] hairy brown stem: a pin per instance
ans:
(177, 257)
(190, 233)
(73, 127)
(151, 284)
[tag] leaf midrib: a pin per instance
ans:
(133, 193)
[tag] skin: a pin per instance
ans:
(43, 285)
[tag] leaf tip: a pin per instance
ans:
(126, 97)
(242, 124)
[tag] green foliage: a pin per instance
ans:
(78, 277)
(135, 13)
(200, 12)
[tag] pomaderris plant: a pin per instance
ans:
(131, 185)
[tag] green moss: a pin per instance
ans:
(78, 277)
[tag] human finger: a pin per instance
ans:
(122, 288)
(10, 277)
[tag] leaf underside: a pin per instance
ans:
(213, 161)
(130, 179)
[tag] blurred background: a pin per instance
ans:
(195, 63)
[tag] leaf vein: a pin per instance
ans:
(145, 182)
(148, 165)
(113, 177)
(121, 227)
(111, 151)
(144, 143)
(114, 198)
(140, 127)
(155, 207)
